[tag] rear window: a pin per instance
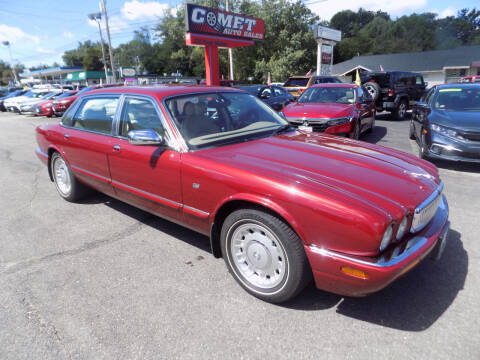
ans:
(300, 82)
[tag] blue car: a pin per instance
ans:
(446, 123)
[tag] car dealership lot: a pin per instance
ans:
(102, 279)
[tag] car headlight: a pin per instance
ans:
(446, 131)
(340, 121)
(387, 237)
(402, 228)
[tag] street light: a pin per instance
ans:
(7, 43)
(97, 17)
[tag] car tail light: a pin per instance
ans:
(390, 92)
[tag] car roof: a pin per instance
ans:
(335, 85)
(458, 85)
(163, 91)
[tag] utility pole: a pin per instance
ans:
(7, 43)
(97, 17)
(230, 54)
(104, 10)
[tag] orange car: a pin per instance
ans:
(296, 85)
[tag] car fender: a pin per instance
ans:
(254, 199)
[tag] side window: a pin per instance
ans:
(361, 95)
(67, 117)
(277, 91)
(429, 95)
(139, 114)
(419, 80)
(96, 114)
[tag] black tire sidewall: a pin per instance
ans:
(295, 278)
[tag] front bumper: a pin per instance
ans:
(443, 147)
(380, 272)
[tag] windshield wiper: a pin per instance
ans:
(281, 129)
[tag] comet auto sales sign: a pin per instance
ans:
(202, 20)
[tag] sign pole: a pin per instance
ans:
(319, 57)
(211, 65)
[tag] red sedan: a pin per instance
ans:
(46, 108)
(281, 206)
(340, 109)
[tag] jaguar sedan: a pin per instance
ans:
(281, 206)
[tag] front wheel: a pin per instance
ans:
(264, 255)
(422, 151)
(411, 132)
(356, 130)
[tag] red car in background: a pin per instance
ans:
(46, 108)
(469, 79)
(339, 109)
(281, 206)
(59, 106)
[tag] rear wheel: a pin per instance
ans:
(372, 127)
(67, 185)
(264, 255)
(373, 89)
(401, 110)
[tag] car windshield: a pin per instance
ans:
(458, 99)
(214, 119)
(296, 82)
(328, 94)
(66, 94)
(14, 94)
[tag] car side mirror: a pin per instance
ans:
(421, 104)
(425, 83)
(265, 96)
(145, 137)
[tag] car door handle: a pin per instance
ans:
(66, 136)
(116, 148)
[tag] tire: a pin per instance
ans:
(373, 89)
(401, 110)
(264, 255)
(422, 153)
(411, 131)
(67, 185)
(356, 131)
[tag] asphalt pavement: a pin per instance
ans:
(103, 280)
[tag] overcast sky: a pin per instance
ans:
(41, 30)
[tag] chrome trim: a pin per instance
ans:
(196, 210)
(118, 183)
(413, 246)
(146, 193)
(92, 174)
(423, 205)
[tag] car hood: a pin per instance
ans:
(465, 120)
(382, 177)
(318, 110)
(31, 101)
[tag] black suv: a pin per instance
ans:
(394, 91)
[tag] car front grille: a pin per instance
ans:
(318, 125)
(426, 210)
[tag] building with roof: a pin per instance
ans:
(54, 74)
(437, 66)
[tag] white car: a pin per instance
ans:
(28, 106)
(14, 103)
